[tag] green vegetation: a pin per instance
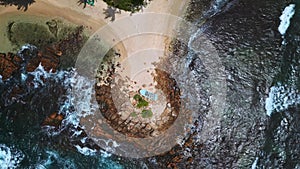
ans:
(133, 114)
(147, 113)
(127, 5)
(40, 34)
(141, 102)
(137, 97)
(32, 33)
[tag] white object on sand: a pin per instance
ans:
(148, 94)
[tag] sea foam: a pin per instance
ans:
(40, 75)
(285, 18)
(10, 157)
(52, 158)
(280, 98)
(85, 150)
(254, 164)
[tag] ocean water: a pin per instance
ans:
(282, 96)
(24, 143)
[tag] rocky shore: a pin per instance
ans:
(52, 56)
(242, 136)
(112, 99)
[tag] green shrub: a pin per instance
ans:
(137, 97)
(133, 114)
(141, 102)
(127, 5)
(147, 113)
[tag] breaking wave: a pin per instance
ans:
(285, 18)
(77, 102)
(10, 157)
(280, 98)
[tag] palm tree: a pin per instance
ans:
(89, 2)
(21, 4)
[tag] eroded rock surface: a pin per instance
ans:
(9, 64)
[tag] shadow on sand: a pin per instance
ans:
(80, 2)
(21, 4)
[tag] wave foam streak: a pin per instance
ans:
(280, 98)
(9, 157)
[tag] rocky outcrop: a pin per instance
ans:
(49, 59)
(12, 63)
(52, 57)
(54, 120)
(134, 127)
(70, 47)
(9, 64)
(250, 50)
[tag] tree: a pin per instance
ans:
(21, 4)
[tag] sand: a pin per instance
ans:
(93, 19)
(138, 52)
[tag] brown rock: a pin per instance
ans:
(172, 165)
(9, 64)
(49, 59)
(190, 160)
(53, 119)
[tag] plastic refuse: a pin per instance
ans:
(90, 2)
(148, 94)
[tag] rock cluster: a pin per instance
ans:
(9, 64)
(12, 63)
(109, 111)
(54, 119)
(50, 57)
(29, 58)
(129, 125)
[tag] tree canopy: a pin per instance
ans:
(127, 5)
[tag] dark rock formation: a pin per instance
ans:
(52, 57)
(9, 64)
(246, 36)
(70, 47)
(49, 59)
(53, 119)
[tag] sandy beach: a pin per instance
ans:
(92, 16)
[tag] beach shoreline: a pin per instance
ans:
(90, 17)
